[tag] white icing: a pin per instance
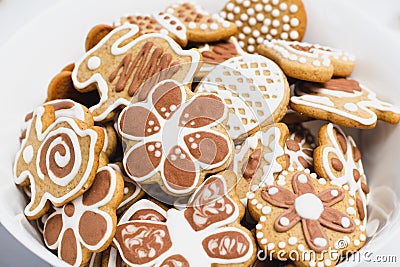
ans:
(308, 206)
(284, 221)
(273, 191)
(192, 25)
(118, 49)
(34, 206)
(302, 178)
(27, 155)
(255, 111)
(182, 234)
(334, 193)
(94, 63)
(320, 242)
(174, 137)
(166, 24)
(345, 222)
(351, 107)
(79, 208)
(292, 240)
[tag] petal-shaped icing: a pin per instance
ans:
(52, 229)
(315, 237)
(138, 121)
(147, 215)
(302, 184)
(140, 242)
(68, 250)
(202, 110)
(227, 245)
(337, 221)
(175, 260)
(141, 160)
(208, 148)
(99, 189)
(331, 196)
(210, 205)
(286, 220)
(167, 97)
(92, 228)
(278, 196)
(179, 170)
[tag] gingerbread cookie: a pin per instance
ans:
(62, 87)
(58, 157)
(338, 158)
(299, 148)
(201, 26)
(174, 138)
(110, 140)
(124, 68)
(254, 89)
(309, 62)
(305, 214)
(96, 34)
(158, 23)
(344, 102)
(260, 158)
(132, 192)
(205, 233)
(260, 20)
(86, 224)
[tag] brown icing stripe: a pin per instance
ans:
(293, 145)
(250, 168)
(219, 52)
(360, 208)
(342, 84)
(336, 164)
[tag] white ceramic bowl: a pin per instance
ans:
(44, 46)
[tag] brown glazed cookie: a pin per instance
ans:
(260, 20)
(302, 218)
(260, 158)
(87, 223)
(344, 102)
(299, 147)
(174, 138)
(308, 62)
(338, 159)
(209, 226)
(62, 87)
(59, 156)
(158, 23)
(124, 68)
(201, 26)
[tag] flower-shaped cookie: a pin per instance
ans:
(304, 213)
(338, 158)
(86, 224)
(59, 155)
(344, 102)
(195, 236)
(124, 67)
(174, 138)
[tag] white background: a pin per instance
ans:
(16, 13)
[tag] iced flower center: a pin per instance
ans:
(308, 206)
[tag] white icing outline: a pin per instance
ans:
(159, 137)
(116, 50)
(92, 134)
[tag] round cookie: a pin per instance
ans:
(58, 158)
(303, 218)
(260, 20)
(201, 26)
(344, 102)
(206, 233)
(174, 138)
(338, 159)
(124, 68)
(299, 148)
(86, 224)
(62, 87)
(259, 158)
(254, 89)
(309, 62)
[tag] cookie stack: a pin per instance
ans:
(180, 138)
